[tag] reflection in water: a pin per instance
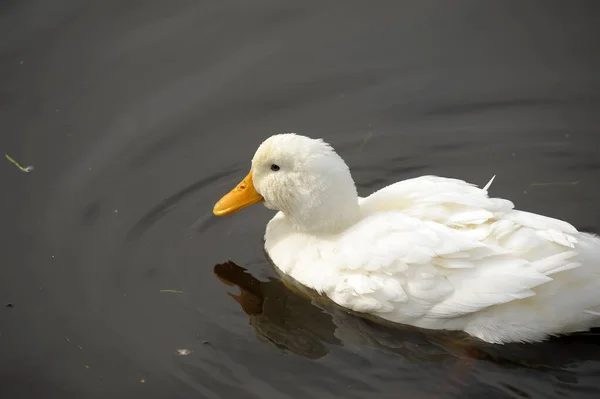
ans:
(279, 315)
(295, 323)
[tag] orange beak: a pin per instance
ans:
(240, 197)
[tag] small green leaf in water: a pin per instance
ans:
(365, 141)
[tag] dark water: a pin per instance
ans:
(138, 116)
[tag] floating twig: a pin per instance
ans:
(564, 183)
(25, 169)
(173, 291)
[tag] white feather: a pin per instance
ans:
(487, 186)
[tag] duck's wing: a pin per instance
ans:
(451, 202)
(427, 266)
(396, 263)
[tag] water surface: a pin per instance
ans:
(138, 116)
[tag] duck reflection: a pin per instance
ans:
(287, 316)
(278, 315)
(292, 320)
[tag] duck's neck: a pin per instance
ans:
(329, 209)
(327, 220)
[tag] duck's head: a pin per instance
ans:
(302, 177)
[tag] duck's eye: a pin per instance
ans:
(275, 168)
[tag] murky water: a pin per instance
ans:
(117, 281)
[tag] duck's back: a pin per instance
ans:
(451, 202)
(465, 261)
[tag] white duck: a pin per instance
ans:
(430, 252)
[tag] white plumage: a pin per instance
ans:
(431, 252)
